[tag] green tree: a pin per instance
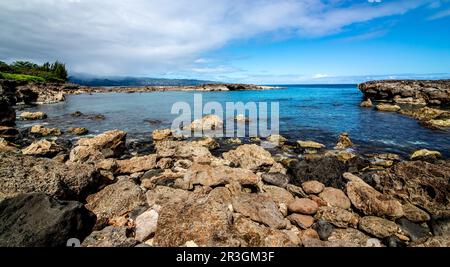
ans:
(59, 70)
(5, 67)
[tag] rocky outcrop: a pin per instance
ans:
(30, 116)
(42, 148)
(43, 131)
(111, 236)
(37, 220)
(412, 91)
(7, 101)
(26, 174)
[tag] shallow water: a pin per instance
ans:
(317, 113)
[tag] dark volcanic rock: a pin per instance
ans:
(26, 174)
(414, 231)
(37, 220)
(430, 92)
(7, 100)
(324, 229)
(277, 179)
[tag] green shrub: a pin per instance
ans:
(29, 71)
(21, 77)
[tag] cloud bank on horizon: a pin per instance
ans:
(221, 39)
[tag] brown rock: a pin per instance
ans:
(366, 103)
(310, 144)
(303, 221)
(377, 226)
(350, 235)
(158, 135)
(78, 130)
(33, 115)
(335, 198)
(278, 194)
(343, 141)
(136, 164)
(387, 107)
(415, 214)
(337, 216)
(41, 130)
(304, 206)
(425, 154)
(251, 157)
(42, 148)
(313, 187)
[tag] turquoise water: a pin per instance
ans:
(317, 113)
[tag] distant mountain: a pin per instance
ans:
(133, 81)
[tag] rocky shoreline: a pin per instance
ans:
(427, 101)
(178, 191)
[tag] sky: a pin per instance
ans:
(253, 41)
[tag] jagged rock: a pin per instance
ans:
(161, 195)
(394, 242)
(106, 145)
(37, 220)
(277, 179)
(115, 200)
(377, 226)
(146, 224)
(208, 142)
(8, 132)
(43, 148)
(420, 183)
(136, 164)
(78, 130)
(39, 115)
(335, 198)
(110, 236)
(413, 231)
(278, 194)
(343, 142)
(6, 146)
(302, 221)
(425, 154)
(366, 103)
(203, 219)
(387, 107)
(350, 235)
(182, 149)
(313, 187)
(424, 114)
(440, 225)
(158, 135)
(41, 130)
(304, 206)
(310, 144)
(252, 157)
(441, 123)
(337, 216)
(436, 241)
(324, 229)
(369, 201)
(415, 214)
(212, 176)
(276, 139)
(259, 208)
(208, 122)
(25, 174)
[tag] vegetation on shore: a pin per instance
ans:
(29, 71)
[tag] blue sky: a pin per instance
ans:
(257, 41)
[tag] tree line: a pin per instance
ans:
(49, 72)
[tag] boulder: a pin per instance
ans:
(182, 150)
(7, 113)
(208, 142)
(25, 174)
(42, 148)
(115, 200)
(39, 115)
(350, 235)
(412, 230)
(6, 146)
(302, 221)
(415, 214)
(278, 179)
(136, 164)
(335, 198)
(387, 107)
(276, 139)
(324, 229)
(78, 130)
(110, 236)
(377, 226)
(161, 195)
(425, 154)
(252, 157)
(278, 194)
(440, 123)
(41, 130)
(162, 134)
(424, 114)
(259, 208)
(146, 224)
(366, 103)
(303, 206)
(343, 142)
(436, 241)
(313, 187)
(37, 220)
(337, 216)
(369, 201)
(310, 144)
(208, 122)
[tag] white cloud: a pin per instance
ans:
(141, 37)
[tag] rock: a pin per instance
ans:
(234, 141)
(344, 156)
(208, 142)
(276, 139)
(436, 241)
(161, 195)
(441, 123)
(106, 145)
(252, 234)
(33, 115)
(424, 114)
(304, 206)
(41, 130)
(136, 164)
(296, 190)
(158, 135)
(440, 225)
(259, 208)
(165, 163)
(413, 231)
(323, 229)
(115, 200)
(277, 179)
(278, 194)
(25, 174)
(6, 146)
(213, 176)
(78, 130)
(42, 148)
(312, 242)
(420, 183)
(240, 118)
(366, 103)
(369, 201)
(343, 142)
(8, 132)
(302, 221)
(146, 224)
(425, 154)
(310, 144)
(252, 157)
(377, 226)
(181, 149)
(313, 187)
(208, 122)
(335, 198)
(7, 101)
(350, 235)
(337, 216)
(393, 242)
(203, 219)
(415, 214)
(110, 236)
(37, 220)
(387, 107)
(431, 91)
